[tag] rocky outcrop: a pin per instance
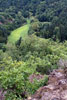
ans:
(35, 76)
(56, 88)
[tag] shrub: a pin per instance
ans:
(14, 79)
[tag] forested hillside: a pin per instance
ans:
(51, 16)
(33, 49)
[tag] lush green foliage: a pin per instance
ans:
(46, 53)
(33, 55)
(14, 79)
(41, 53)
(20, 58)
(13, 14)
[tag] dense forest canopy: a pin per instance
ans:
(13, 14)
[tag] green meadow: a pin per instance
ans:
(19, 32)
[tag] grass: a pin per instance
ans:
(19, 32)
